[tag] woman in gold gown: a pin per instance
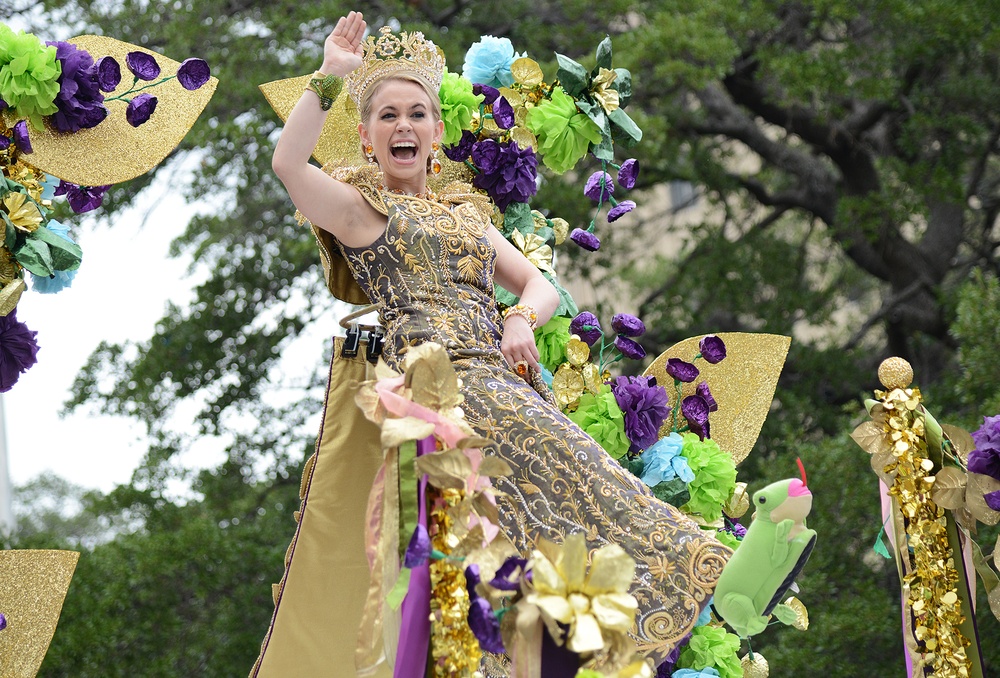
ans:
(430, 261)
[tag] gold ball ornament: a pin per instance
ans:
(756, 667)
(895, 373)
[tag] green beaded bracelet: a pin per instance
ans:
(326, 87)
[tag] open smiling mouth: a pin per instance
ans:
(404, 150)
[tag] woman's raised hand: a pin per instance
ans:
(342, 50)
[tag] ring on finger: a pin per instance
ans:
(521, 367)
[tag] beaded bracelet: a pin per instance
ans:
(525, 311)
(326, 87)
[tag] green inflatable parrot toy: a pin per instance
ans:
(772, 553)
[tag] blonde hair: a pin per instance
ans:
(365, 109)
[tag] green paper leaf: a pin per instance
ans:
(11, 233)
(395, 596)
(623, 84)
(635, 466)
(35, 256)
(674, 492)
(604, 53)
(572, 76)
(627, 127)
(504, 298)
(604, 150)
(66, 255)
(785, 614)
(567, 306)
(518, 215)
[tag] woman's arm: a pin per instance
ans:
(519, 276)
(325, 202)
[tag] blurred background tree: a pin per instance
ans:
(842, 159)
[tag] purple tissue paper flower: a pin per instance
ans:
(3, 621)
(486, 155)
(695, 410)
(21, 139)
(490, 94)
(140, 108)
(3, 104)
(985, 459)
(193, 73)
(503, 113)
(630, 348)
(734, 528)
(644, 405)
(82, 198)
(712, 349)
(595, 191)
(419, 549)
(18, 350)
(585, 239)
(109, 73)
(628, 173)
(703, 390)
(508, 576)
(621, 209)
(627, 324)
(461, 150)
(513, 173)
(682, 370)
(142, 65)
(4, 143)
(80, 101)
(993, 500)
(587, 327)
(485, 626)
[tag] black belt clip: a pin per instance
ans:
(376, 340)
(351, 342)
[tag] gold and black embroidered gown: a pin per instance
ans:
(432, 272)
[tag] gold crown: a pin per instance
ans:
(391, 54)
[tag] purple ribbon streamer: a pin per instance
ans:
(415, 633)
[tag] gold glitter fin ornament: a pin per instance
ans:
(114, 151)
(33, 585)
(743, 384)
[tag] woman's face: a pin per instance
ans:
(401, 130)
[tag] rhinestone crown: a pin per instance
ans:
(391, 54)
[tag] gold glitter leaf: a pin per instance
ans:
(527, 72)
(567, 385)
(114, 151)
(525, 139)
(33, 585)
(978, 486)
(949, 488)
(577, 351)
(739, 502)
(592, 379)
(432, 378)
(10, 294)
(447, 469)
(756, 667)
(884, 465)
(743, 384)
(870, 437)
(960, 439)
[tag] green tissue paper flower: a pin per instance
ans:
(603, 421)
(712, 646)
(727, 539)
(564, 133)
(551, 339)
(458, 103)
(29, 75)
(714, 477)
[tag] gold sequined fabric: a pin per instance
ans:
(432, 272)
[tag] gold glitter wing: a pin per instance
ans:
(743, 384)
(33, 585)
(114, 151)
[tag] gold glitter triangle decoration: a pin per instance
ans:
(33, 585)
(743, 384)
(114, 151)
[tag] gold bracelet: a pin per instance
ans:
(326, 87)
(525, 311)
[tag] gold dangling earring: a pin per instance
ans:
(370, 154)
(435, 163)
